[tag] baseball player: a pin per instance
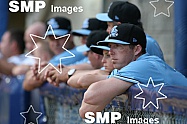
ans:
(125, 12)
(133, 65)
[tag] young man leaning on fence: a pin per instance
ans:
(133, 65)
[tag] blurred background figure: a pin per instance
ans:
(37, 28)
(62, 26)
(12, 48)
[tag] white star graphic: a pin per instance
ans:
(144, 99)
(49, 64)
(37, 113)
(161, 6)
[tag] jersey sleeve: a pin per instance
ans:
(138, 72)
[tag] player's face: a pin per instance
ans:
(5, 45)
(56, 44)
(94, 60)
(107, 61)
(37, 52)
(110, 26)
(121, 55)
(83, 39)
(28, 42)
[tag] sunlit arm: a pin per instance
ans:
(101, 93)
(83, 78)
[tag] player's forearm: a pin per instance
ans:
(20, 70)
(101, 93)
(73, 81)
(29, 83)
(6, 68)
(89, 106)
(86, 80)
(84, 66)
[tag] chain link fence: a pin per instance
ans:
(58, 113)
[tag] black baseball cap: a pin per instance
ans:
(60, 25)
(93, 38)
(89, 25)
(127, 34)
(99, 49)
(121, 11)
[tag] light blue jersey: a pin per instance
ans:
(67, 61)
(147, 66)
(153, 47)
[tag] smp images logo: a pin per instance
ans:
(26, 6)
(100, 118)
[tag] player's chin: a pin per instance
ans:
(116, 66)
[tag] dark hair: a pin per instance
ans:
(18, 36)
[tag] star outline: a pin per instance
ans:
(21, 113)
(150, 102)
(43, 38)
(168, 13)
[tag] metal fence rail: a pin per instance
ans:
(58, 113)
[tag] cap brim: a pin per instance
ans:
(81, 32)
(103, 17)
(105, 42)
(58, 32)
(82, 48)
(99, 49)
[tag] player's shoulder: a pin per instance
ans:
(150, 39)
(144, 62)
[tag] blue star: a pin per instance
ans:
(29, 112)
(149, 99)
(159, 6)
(36, 47)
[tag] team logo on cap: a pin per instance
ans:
(53, 23)
(85, 23)
(114, 32)
(134, 40)
(116, 17)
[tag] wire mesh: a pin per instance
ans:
(58, 113)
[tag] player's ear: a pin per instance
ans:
(71, 38)
(97, 56)
(118, 23)
(137, 49)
